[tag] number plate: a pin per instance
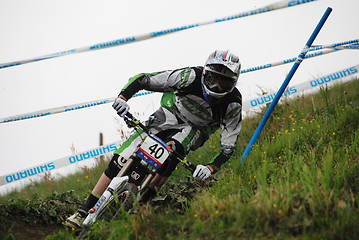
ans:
(153, 153)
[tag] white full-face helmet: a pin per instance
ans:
(220, 74)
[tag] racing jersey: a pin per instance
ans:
(183, 96)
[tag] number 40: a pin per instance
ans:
(156, 150)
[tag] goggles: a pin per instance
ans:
(218, 83)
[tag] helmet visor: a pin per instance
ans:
(218, 83)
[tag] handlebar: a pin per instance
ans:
(131, 121)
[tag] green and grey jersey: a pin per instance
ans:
(183, 96)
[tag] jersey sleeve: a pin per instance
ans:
(166, 81)
(230, 129)
(231, 126)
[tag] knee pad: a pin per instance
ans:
(114, 167)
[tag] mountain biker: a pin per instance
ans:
(196, 102)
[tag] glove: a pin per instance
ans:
(121, 106)
(202, 172)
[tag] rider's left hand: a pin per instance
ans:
(202, 172)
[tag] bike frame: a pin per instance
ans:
(142, 160)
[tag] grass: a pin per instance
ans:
(300, 181)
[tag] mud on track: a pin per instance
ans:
(20, 230)
(38, 218)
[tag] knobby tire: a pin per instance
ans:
(124, 197)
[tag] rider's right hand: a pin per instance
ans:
(121, 106)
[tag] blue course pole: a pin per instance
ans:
(285, 84)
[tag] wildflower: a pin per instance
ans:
(254, 176)
(279, 211)
(274, 205)
(333, 133)
(301, 127)
(87, 176)
(195, 215)
(293, 129)
(216, 212)
(264, 160)
(78, 180)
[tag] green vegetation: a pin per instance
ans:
(300, 181)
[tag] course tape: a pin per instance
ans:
(69, 108)
(78, 106)
(59, 163)
(352, 44)
(290, 60)
(142, 37)
(96, 152)
(290, 90)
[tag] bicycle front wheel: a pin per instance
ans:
(124, 198)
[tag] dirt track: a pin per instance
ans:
(21, 230)
(29, 221)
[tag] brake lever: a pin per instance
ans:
(190, 166)
(187, 164)
(129, 122)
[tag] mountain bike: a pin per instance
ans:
(126, 189)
